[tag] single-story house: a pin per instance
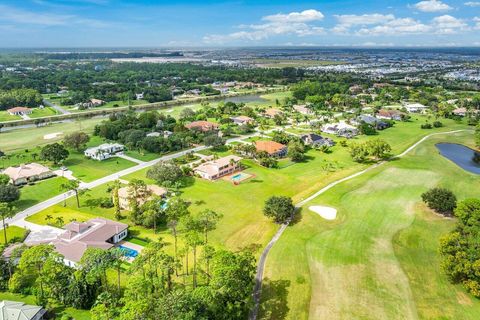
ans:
(374, 122)
(154, 134)
(355, 89)
(303, 109)
(95, 233)
(96, 102)
(315, 140)
(15, 310)
(124, 195)
(415, 107)
(204, 126)
(389, 114)
(340, 129)
(241, 120)
(19, 111)
(273, 148)
(139, 96)
(104, 151)
(462, 112)
(26, 173)
(215, 169)
(271, 113)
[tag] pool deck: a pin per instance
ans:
(130, 245)
(245, 176)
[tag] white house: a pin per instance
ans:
(104, 151)
(341, 129)
(415, 107)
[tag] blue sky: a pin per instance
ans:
(210, 23)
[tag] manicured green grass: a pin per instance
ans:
(14, 234)
(5, 116)
(45, 112)
(379, 258)
(30, 299)
(31, 138)
(42, 190)
(88, 170)
(141, 155)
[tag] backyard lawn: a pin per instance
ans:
(5, 116)
(379, 258)
(14, 234)
(45, 112)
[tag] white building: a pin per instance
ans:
(215, 169)
(415, 107)
(104, 151)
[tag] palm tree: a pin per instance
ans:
(48, 218)
(116, 200)
(73, 185)
(7, 211)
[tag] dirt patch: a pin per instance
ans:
(464, 299)
(51, 136)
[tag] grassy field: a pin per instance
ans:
(45, 112)
(42, 190)
(14, 234)
(5, 116)
(378, 259)
(34, 137)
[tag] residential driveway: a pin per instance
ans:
(38, 234)
(54, 106)
(124, 156)
(66, 174)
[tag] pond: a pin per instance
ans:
(246, 99)
(460, 155)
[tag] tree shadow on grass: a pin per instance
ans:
(274, 299)
(297, 217)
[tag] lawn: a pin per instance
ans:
(378, 259)
(30, 299)
(14, 234)
(30, 138)
(42, 190)
(142, 155)
(5, 116)
(89, 170)
(45, 112)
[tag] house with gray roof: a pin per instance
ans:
(14, 310)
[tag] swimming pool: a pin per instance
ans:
(129, 252)
(240, 176)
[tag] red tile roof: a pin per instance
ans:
(271, 147)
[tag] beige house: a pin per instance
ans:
(204, 126)
(271, 113)
(19, 111)
(26, 173)
(95, 233)
(215, 169)
(303, 109)
(124, 195)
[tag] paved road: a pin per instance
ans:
(263, 257)
(61, 197)
(56, 107)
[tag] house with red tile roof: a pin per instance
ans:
(204, 126)
(19, 111)
(273, 148)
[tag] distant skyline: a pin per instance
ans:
(210, 23)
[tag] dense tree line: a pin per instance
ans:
(29, 98)
(459, 248)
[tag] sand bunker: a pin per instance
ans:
(325, 212)
(52, 135)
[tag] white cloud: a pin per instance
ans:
(472, 4)
(345, 22)
(447, 24)
(400, 26)
(295, 17)
(477, 23)
(19, 16)
(432, 6)
(294, 23)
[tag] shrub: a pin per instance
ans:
(441, 200)
(426, 126)
(437, 124)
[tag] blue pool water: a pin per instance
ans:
(128, 252)
(460, 155)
